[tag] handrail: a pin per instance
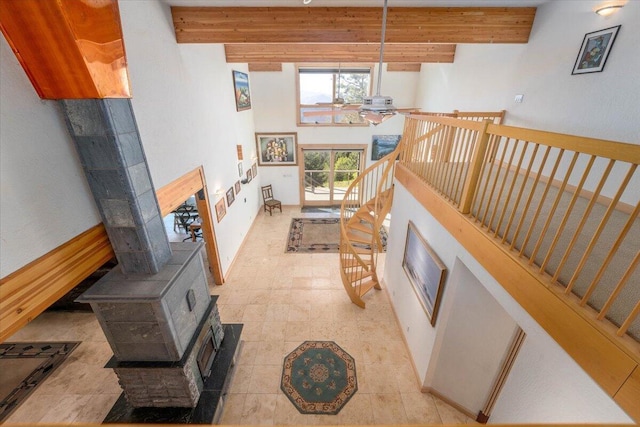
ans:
(525, 187)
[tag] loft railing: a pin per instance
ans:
(568, 205)
(366, 204)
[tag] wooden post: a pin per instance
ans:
(475, 166)
(208, 234)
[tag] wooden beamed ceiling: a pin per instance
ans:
(357, 52)
(334, 34)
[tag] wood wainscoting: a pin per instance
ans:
(27, 292)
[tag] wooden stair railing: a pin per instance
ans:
(368, 201)
(559, 215)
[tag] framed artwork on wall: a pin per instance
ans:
(425, 271)
(240, 171)
(594, 51)
(221, 210)
(241, 87)
(381, 145)
(238, 187)
(254, 170)
(249, 175)
(230, 196)
(277, 149)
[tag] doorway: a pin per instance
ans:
(327, 172)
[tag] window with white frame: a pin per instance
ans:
(329, 95)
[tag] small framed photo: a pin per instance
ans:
(425, 271)
(594, 51)
(221, 210)
(254, 170)
(381, 145)
(277, 149)
(240, 171)
(249, 176)
(238, 187)
(241, 87)
(231, 197)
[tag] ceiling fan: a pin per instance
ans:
(375, 109)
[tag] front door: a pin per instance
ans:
(328, 172)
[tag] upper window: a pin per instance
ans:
(329, 89)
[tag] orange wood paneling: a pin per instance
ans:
(401, 66)
(69, 49)
(352, 24)
(332, 52)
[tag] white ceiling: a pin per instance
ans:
(359, 3)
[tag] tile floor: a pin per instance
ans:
(282, 300)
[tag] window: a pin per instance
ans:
(319, 87)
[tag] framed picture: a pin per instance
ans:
(249, 176)
(240, 171)
(254, 170)
(238, 187)
(277, 149)
(221, 210)
(230, 196)
(594, 51)
(239, 152)
(381, 145)
(241, 87)
(425, 271)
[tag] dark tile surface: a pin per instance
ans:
(214, 388)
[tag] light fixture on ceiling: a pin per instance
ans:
(610, 7)
(306, 1)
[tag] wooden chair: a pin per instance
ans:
(269, 202)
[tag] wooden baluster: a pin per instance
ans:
(475, 166)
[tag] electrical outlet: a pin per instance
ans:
(519, 98)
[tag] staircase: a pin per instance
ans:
(364, 208)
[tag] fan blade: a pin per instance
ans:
(351, 107)
(407, 111)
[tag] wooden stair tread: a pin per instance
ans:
(365, 216)
(350, 263)
(367, 286)
(359, 275)
(360, 227)
(359, 239)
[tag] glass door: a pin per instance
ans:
(328, 172)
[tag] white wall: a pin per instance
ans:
(600, 105)
(543, 368)
(45, 199)
(274, 102)
(183, 100)
(472, 342)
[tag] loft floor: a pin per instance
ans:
(282, 300)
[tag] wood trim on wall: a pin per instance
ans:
(609, 363)
(27, 292)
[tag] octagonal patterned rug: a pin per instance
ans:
(319, 377)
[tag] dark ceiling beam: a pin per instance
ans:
(352, 24)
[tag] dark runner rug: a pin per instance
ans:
(319, 377)
(24, 366)
(319, 235)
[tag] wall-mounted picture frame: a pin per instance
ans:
(231, 197)
(381, 145)
(249, 175)
(595, 50)
(238, 187)
(254, 170)
(240, 171)
(241, 88)
(425, 271)
(221, 210)
(277, 149)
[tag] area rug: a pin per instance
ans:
(319, 377)
(24, 366)
(319, 235)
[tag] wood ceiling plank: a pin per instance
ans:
(326, 52)
(400, 66)
(352, 25)
(265, 66)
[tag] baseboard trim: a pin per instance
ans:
(450, 402)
